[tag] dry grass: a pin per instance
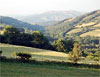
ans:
(85, 24)
(98, 25)
(91, 33)
(51, 53)
(9, 50)
(75, 31)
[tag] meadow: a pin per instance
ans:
(37, 54)
(11, 69)
(19, 69)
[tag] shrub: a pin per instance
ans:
(0, 52)
(23, 56)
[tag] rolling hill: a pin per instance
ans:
(50, 17)
(17, 23)
(82, 26)
(38, 54)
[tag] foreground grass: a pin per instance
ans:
(11, 69)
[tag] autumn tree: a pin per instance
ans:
(76, 52)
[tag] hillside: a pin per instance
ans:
(48, 18)
(84, 25)
(17, 23)
(38, 54)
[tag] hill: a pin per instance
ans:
(82, 26)
(17, 23)
(49, 17)
(38, 54)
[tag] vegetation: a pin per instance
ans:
(0, 52)
(35, 39)
(41, 70)
(85, 24)
(40, 54)
(23, 56)
(63, 45)
(76, 53)
(86, 49)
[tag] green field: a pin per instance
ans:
(37, 54)
(10, 69)
(17, 69)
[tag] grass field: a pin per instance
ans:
(17, 69)
(38, 54)
(10, 69)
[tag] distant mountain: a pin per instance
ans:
(84, 25)
(50, 17)
(18, 23)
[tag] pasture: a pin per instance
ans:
(10, 69)
(37, 54)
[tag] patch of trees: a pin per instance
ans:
(12, 35)
(63, 45)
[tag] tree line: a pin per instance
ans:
(13, 35)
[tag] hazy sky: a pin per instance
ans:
(25, 7)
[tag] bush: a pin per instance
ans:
(0, 52)
(23, 56)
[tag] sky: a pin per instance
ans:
(26, 7)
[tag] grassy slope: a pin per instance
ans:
(9, 69)
(92, 33)
(76, 25)
(38, 54)
(94, 29)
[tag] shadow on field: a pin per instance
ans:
(67, 64)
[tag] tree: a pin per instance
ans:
(94, 56)
(10, 30)
(24, 39)
(40, 41)
(63, 45)
(2, 39)
(60, 45)
(76, 53)
(69, 45)
(11, 33)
